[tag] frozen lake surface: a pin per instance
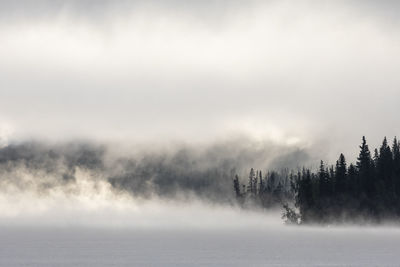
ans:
(278, 246)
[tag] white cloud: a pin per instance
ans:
(162, 70)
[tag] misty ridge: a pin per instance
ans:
(204, 172)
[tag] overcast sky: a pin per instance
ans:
(291, 71)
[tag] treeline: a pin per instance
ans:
(368, 191)
(272, 190)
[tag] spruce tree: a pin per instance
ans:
(352, 183)
(340, 175)
(236, 186)
(396, 167)
(261, 184)
(385, 166)
(364, 169)
(305, 198)
(323, 180)
(250, 186)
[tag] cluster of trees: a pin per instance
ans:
(274, 189)
(368, 191)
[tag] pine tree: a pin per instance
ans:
(236, 186)
(365, 170)
(396, 150)
(364, 158)
(341, 172)
(255, 180)
(261, 184)
(271, 181)
(352, 183)
(305, 198)
(331, 180)
(396, 166)
(385, 166)
(376, 157)
(324, 181)
(250, 186)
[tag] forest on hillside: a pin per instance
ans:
(367, 191)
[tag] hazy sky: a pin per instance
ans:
(293, 71)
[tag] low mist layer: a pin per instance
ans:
(104, 184)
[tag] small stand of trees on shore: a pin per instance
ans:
(368, 191)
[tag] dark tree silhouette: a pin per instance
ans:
(368, 191)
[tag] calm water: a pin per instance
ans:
(279, 246)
